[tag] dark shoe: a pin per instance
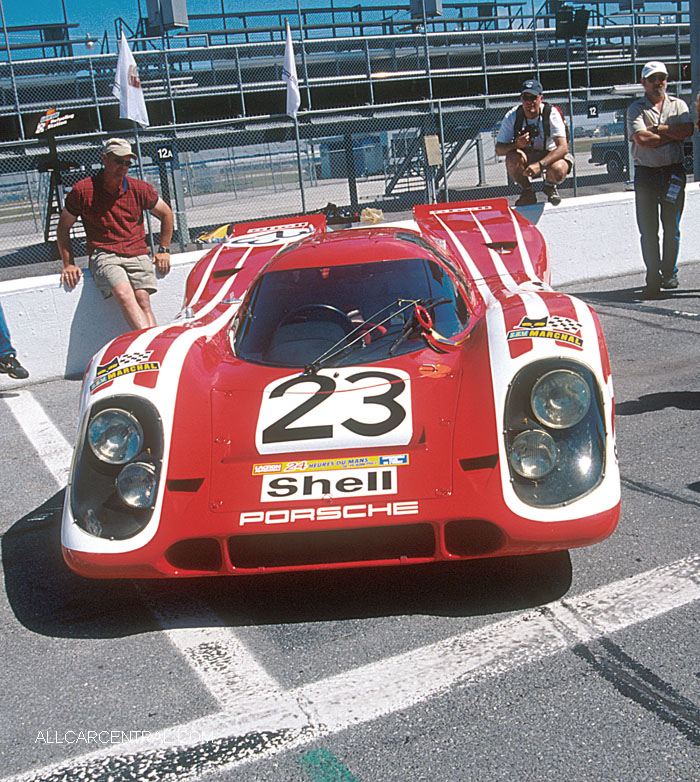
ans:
(552, 194)
(10, 366)
(669, 283)
(648, 292)
(527, 198)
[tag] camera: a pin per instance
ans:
(532, 129)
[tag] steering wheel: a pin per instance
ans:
(319, 312)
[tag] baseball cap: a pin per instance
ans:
(532, 87)
(653, 67)
(119, 147)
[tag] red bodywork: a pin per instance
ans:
(445, 489)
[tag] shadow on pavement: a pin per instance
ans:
(47, 598)
(648, 403)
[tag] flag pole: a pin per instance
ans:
(301, 177)
(289, 75)
(141, 176)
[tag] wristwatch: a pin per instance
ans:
(162, 249)
(655, 129)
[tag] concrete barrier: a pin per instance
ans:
(55, 331)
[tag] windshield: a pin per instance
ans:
(354, 314)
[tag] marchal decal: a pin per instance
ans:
(550, 327)
(126, 364)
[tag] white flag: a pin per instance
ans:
(289, 75)
(127, 86)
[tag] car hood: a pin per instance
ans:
(280, 435)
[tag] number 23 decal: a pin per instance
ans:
(345, 408)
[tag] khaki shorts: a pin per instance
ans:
(537, 154)
(108, 269)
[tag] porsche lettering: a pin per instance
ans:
(368, 511)
(318, 485)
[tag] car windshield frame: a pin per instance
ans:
(351, 313)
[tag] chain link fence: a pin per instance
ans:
(217, 154)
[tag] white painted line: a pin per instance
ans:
(49, 443)
(222, 663)
(395, 683)
(251, 698)
(399, 682)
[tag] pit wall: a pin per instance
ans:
(55, 330)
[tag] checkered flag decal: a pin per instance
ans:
(137, 357)
(558, 323)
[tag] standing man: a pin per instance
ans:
(657, 124)
(532, 136)
(111, 206)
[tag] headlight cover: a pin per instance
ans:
(115, 436)
(560, 399)
(137, 483)
(533, 454)
(109, 499)
(554, 402)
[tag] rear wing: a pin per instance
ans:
(491, 239)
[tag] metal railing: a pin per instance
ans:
(248, 168)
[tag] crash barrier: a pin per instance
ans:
(248, 169)
(55, 331)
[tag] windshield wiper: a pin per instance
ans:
(401, 305)
(412, 322)
(341, 346)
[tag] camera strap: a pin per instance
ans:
(545, 113)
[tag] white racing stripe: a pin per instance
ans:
(358, 696)
(47, 441)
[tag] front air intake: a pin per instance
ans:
(472, 538)
(368, 544)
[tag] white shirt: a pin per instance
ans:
(556, 129)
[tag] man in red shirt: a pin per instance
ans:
(111, 206)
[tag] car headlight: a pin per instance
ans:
(555, 435)
(533, 454)
(560, 399)
(115, 436)
(136, 484)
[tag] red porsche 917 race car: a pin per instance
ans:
(398, 394)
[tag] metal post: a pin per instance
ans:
(571, 110)
(141, 176)
(12, 73)
(167, 79)
(369, 73)
(442, 151)
(350, 169)
(303, 56)
(695, 69)
(240, 80)
(483, 66)
(94, 94)
(534, 40)
(480, 163)
(301, 176)
(427, 52)
(183, 233)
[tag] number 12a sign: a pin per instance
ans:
(348, 407)
(164, 153)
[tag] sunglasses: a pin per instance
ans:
(656, 77)
(529, 98)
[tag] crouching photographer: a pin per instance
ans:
(533, 139)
